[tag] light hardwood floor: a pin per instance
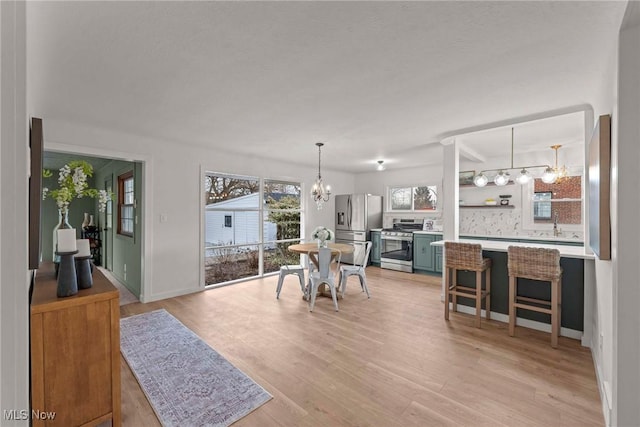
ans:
(391, 360)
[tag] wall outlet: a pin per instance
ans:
(125, 271)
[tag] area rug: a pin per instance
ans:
(187, 382)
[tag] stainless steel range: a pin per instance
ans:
(397, 245)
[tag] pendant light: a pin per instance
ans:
(560, 171)
(381, 165)
(502, 178)
(524, 176)
(549, 176)
(480, 180)
(319, 192)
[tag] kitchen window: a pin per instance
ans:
(559, 202)
(413, 198)
(542, 205)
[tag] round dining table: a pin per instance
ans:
(311, 249)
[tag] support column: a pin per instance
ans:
(450, 195)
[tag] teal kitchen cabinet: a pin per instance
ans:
(438, 261)
(426, 258)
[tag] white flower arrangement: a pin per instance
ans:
(322, 233)
(72, 179)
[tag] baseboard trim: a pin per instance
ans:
(527, 323)
(176, 293)
(605, 389)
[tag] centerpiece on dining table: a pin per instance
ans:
(322, 235)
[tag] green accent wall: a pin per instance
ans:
(122, 254)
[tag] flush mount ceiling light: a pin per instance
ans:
(380, 165)
(319, 192)
(503, 177)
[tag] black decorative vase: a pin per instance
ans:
(67, 278)
(83, 272)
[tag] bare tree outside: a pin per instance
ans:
(220, 188)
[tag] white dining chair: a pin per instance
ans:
(295, 269)
(285, 270)
(325, 275)
(356, 270)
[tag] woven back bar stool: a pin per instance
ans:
(466, 257)
(536, 264)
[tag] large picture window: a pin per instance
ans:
(418, 198)
(126, 204)
(249, 224)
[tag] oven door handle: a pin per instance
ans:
(397, 239)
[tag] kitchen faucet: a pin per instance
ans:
(556, 231)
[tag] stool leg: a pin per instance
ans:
(559, 305)
(555, 322)
(478, 297)
(512, 308)
(487, 279)
(447, 283)
(454, 285)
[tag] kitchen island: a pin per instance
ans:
(577, 267)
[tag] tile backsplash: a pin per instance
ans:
(487, 222)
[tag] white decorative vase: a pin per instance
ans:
(85, 222)
(91, 223)
(63, 222)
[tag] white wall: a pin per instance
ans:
(626, 232)
(377, 182)
(602, 309)
(616, 340)
(172, 253)
(14, 275)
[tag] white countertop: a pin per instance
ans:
(500, 246)
(518, 237)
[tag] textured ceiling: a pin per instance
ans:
(372, 80)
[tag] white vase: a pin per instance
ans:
(63, 222)
(85, 222)
(91, 223)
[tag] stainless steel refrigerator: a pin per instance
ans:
(356, 215)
